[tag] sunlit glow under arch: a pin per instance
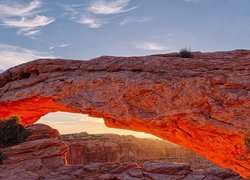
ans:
(67, 123)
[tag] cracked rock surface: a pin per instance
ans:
(201, 103)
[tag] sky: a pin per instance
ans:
(85, 29)
(67, 123)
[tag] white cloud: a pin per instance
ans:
(91, 22)
(72, 10)
(62, 45)
(97, 13)
(109, 7)
(80, 15)
(29, 33)
(15, 9)
(152, 46)
(24, 17)
(135, 20)
(12, 55)
(28, 23)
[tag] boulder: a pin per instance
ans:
(41, 131)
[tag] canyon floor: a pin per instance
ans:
(46, 155)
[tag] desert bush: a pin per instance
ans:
(2, 157)
(185, 53)
(11, 132)
(73, 135)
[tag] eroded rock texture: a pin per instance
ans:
(202, 103)
(44, 158)
(116, 148)
(35, 158)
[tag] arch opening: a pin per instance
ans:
(68, 123)
(141, 147)
(208, 140)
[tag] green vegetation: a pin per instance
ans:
(11, 132)
(185, 53)
(73, 135)
(81, 135)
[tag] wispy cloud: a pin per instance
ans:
(98, 12)
(27, 24)
(15, 9)
(24, 17)
(151, 46)
(13, 55)
(91, 21)
(29, 33)
(135, 20)
(62, 45)
(109, 7)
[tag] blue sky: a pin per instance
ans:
(85, 29)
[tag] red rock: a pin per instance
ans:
(115, 148)
(166, 168)
(44, 159)
(200, 103)
(41, 149)
(41, 131)
(32, 160)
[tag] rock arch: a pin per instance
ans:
(202, 103)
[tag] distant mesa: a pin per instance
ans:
(201, 103)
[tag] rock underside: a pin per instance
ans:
(201, 103)
(45, 158)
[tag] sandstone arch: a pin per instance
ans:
(201, 103)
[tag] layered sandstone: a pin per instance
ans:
(85, 148)
(151, 170)
(202, 103)
(35, 158)
(44, 158)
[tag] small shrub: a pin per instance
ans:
(185, 53)
(2, 157)
(73, 135)
(11, 132)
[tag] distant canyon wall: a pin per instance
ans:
(115, 148)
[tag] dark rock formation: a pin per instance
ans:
(201, 103)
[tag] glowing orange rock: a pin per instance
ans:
(201, 103)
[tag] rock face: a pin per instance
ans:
(44, 158)
(132, 171)
(202, 103)
(41, 131)
(35, 158)
(116, 148)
